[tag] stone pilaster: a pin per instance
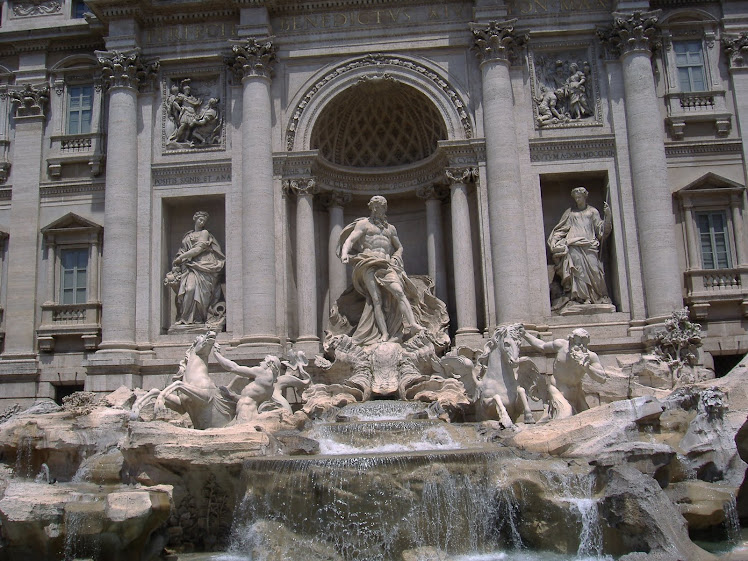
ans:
(306, 262)
(736, 48)
(433, 197)
(123, 73)
(630, 37)
(496, 44)
(462, 250)
(30, 105)
(337, 280)
(252, 60)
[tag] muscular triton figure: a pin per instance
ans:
(372, 245)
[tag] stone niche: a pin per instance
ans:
(556, 195)
(177, 220)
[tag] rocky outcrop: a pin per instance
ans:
(66, 521)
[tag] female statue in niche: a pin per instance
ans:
(575, 244)
(195, 277)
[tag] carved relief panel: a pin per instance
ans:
(193, 112)
(565, 87)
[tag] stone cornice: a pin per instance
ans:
(252, 57)
(630, 32)
(497, 41)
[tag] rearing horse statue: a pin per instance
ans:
(193, 391)
(504, 378)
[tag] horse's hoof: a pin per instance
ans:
(529, 419)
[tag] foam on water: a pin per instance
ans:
(433, 438)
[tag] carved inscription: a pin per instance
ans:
(372, 18)
(171, 178)
(542, 7)
(189, 33)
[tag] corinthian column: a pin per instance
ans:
(462, 250)
(122, 72)
(494, 45)
(336, 268)
(30, 107)
(306, 262)
(630, 36)
(252, 61)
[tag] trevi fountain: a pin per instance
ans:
(393, 444)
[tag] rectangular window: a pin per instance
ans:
(74, 266)
(80, 105)
(715, 247)
(689, 60)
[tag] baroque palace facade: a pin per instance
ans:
(121, 120)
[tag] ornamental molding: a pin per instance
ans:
(56, 190)
(461, 175)
(252, 57)
(498, 41)
(180, 175)
(302, 186)
(630, 32)
(125, 69)
(706, 149)
(30, 101)
(565, 86)
(565, 149)
(736, 49)
(25, 8)
(379, 63)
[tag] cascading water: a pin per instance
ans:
(385, 487)
(732, 521)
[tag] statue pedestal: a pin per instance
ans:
(574, 309)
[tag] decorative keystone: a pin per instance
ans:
(498, 41)
(253, 57)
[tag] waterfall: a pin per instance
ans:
(732, 520)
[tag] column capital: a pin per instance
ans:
(336, 198)
(432, 192)
(253, 57)
(461, 175)
(31, 101)
(125, 69)
(630, 32)
(736, 49)
(497, 41)
(301, 186)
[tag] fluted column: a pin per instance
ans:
(462, 249)
(494, 44)
(122, 72)
(30, 106)
(433, 196)
(306, 260)
(252, 61)
(630, 37)
(337, 279)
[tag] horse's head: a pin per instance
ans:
(508, 340)
(204, 344)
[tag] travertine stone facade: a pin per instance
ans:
(280, 120)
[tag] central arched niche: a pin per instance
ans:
(378, 123)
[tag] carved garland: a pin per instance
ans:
(378, 60)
